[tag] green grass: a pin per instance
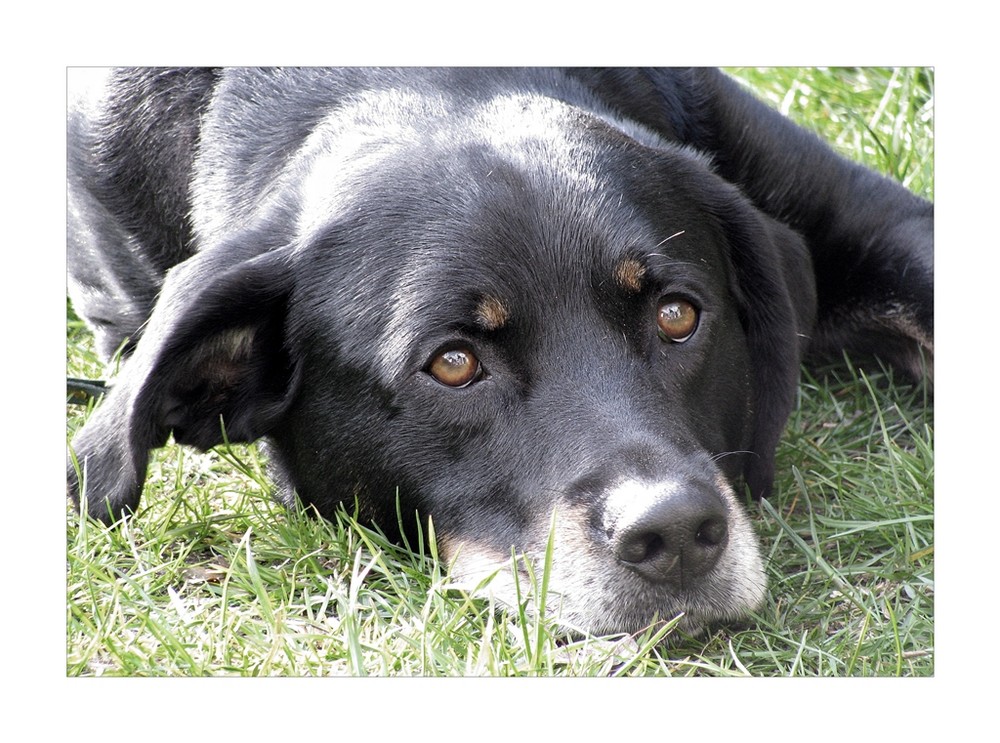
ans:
(212, 578)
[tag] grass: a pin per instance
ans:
(212, 578)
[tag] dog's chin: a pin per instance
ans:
(584, 598)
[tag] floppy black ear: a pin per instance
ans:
(776, 290)
(871, 240)
(213, 358)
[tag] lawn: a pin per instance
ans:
(212, 578)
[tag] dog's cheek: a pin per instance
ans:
(718, 392)
(328, 444)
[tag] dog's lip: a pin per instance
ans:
(495, 583)
(633, 606)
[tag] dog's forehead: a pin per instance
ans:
(519, 209)
(434, 139)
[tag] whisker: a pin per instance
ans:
(667, 239)
(720, 455)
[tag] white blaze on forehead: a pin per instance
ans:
(350, 143)
(517, 127)
(321, 194)
(357, 137)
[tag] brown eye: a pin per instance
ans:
(677, 320)
(456, 368)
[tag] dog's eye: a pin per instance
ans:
(458, 367)
(677, 320)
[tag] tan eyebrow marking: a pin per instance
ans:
(629, 275)
(491, 313)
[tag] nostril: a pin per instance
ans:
(712, 532)
(640, 548)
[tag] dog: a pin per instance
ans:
(548, 309)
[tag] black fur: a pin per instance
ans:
(285, 253)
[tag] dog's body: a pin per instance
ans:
(500, 294)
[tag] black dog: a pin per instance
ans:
(501, 294)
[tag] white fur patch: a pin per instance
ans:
(589, 590)
(350, 143)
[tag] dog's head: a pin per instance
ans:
(528, 316)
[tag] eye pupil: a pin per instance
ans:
(677, 320)
(455, 368)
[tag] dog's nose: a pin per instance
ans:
(672, 534)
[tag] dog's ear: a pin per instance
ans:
(211, 366)
(776, 292)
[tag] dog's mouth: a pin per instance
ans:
(584, 585)
(596, 606)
